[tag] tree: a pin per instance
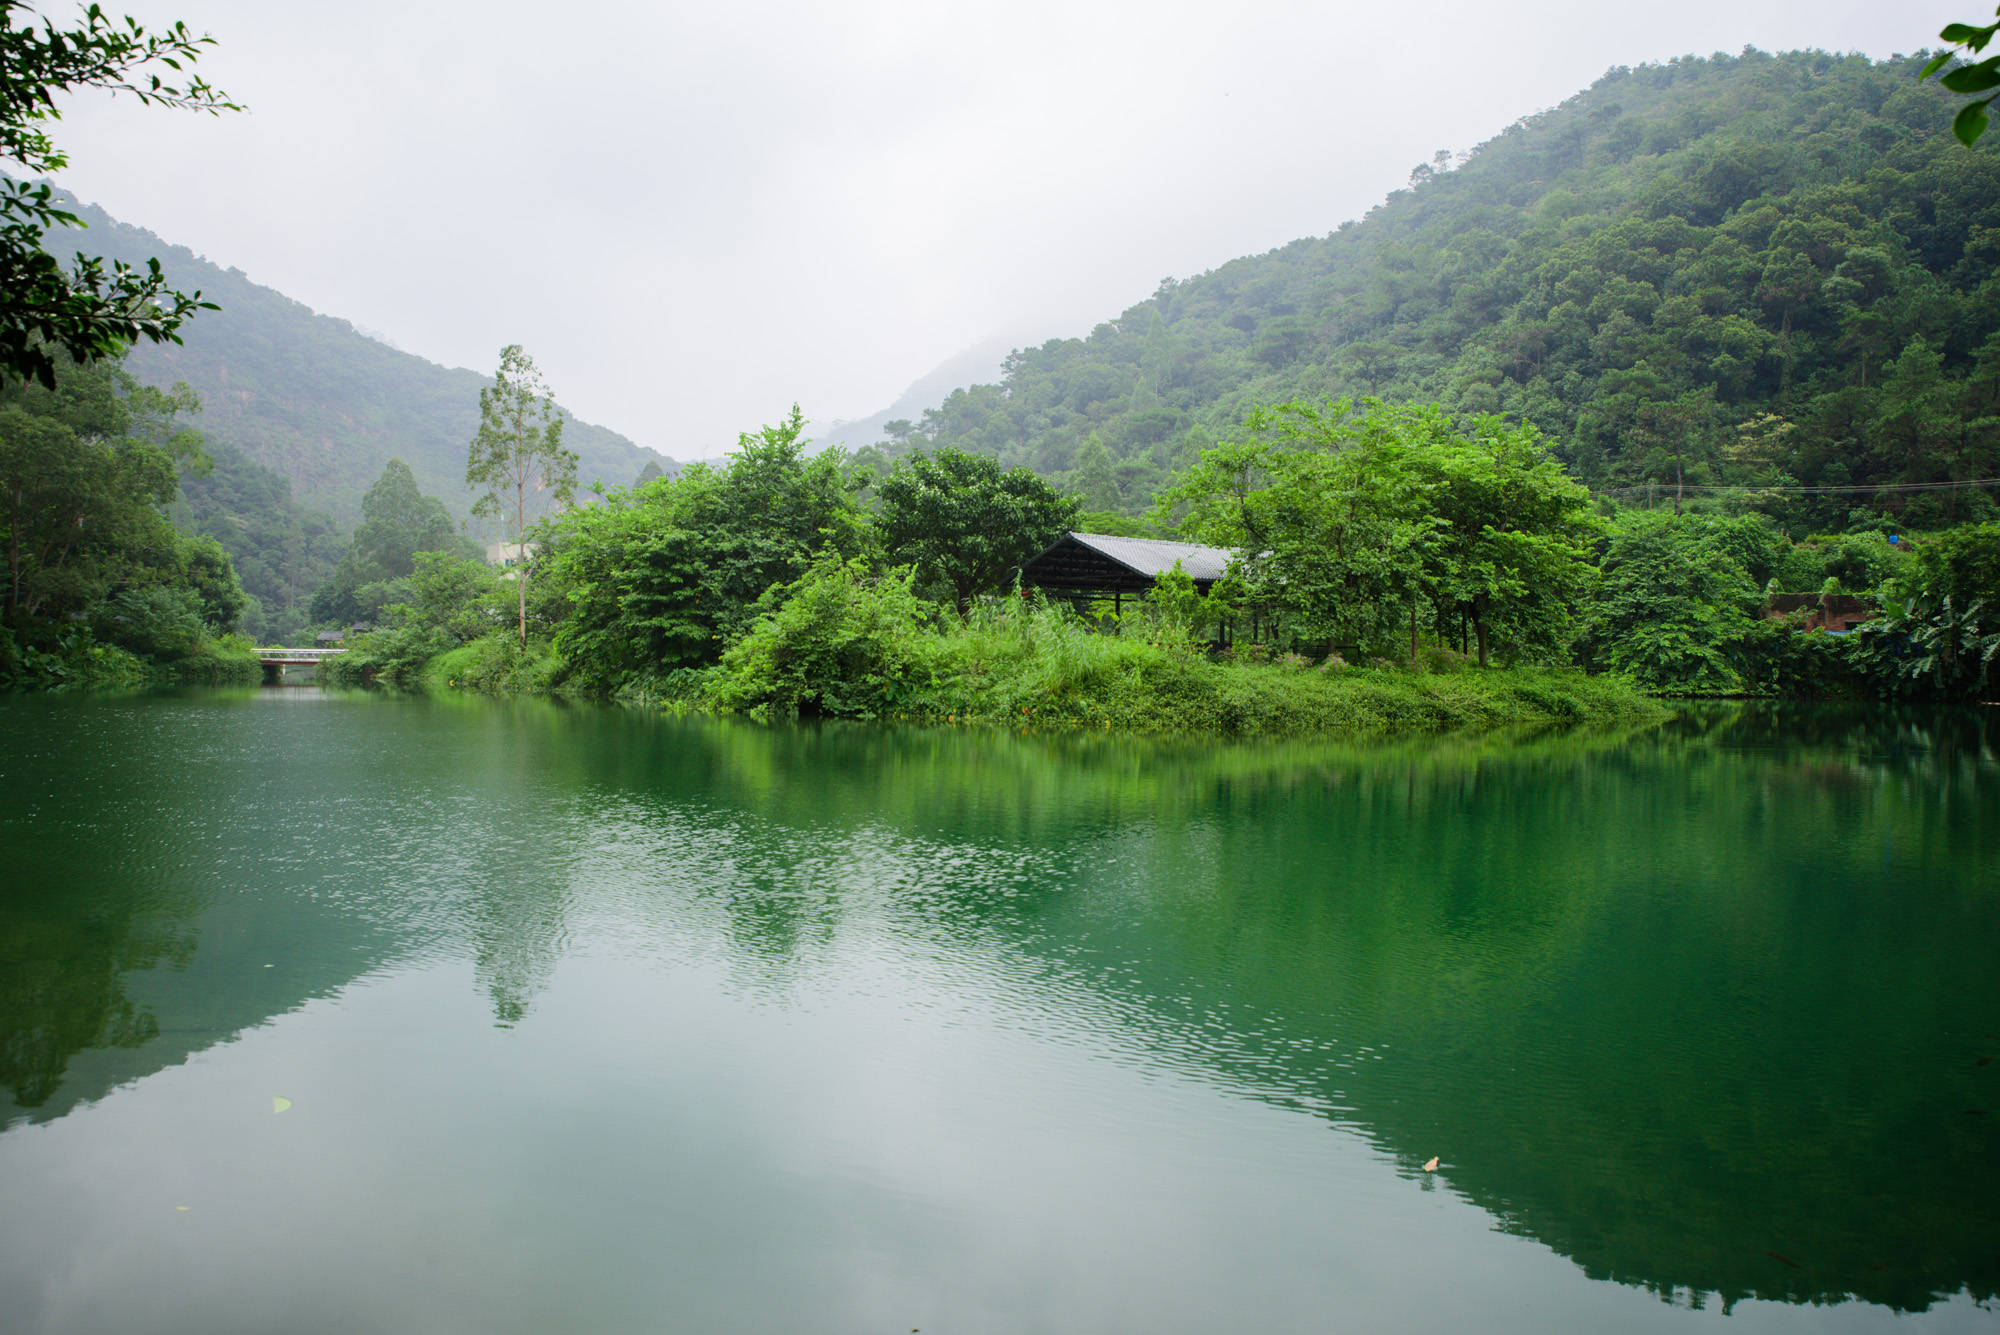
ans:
(88, 312)
(963, 522)
(86, 472)
(665, 577)
(1091, 479)
(397, 522)
(1334, 527)
(518, 446)
(1358, 523)
(1513, 561)
(1971, 78)
(1673, 604)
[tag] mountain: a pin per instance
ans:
(978, 363)
(313, 398)
(1770, 270)
(282, 550)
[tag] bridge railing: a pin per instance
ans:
(271, 653)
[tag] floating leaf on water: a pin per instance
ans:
(279, 1104)
(1780, 1256)
(180, 1207)
(1432, 1165)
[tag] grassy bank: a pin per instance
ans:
(416, 660)
(1140, 689)
(71, 659)
(841, 643)
(230, 661)
(849, 648)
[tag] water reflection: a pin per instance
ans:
(1703, 1009)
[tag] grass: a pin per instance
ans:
(1028, 667)
(493, 664)
(850, 645)
(229, 661)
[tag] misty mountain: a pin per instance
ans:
(975, 365)
(1759, 269)
(311, 397)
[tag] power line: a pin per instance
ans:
(1663, 488)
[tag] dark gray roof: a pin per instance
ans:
(1153, 558)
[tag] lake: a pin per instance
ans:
(336, 1012)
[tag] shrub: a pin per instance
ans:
(836, 641)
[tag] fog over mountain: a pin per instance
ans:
(312, 397)
(694, 217)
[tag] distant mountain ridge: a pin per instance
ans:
(1763, 270)
(313, 398)
(976, 365)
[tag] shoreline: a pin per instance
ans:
(1160, 695)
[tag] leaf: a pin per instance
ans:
(1936, 63)
(1964, 34)
(1432, 1165)
(1970, 123)
(279, 1103)
(1973, 78)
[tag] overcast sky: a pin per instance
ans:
(692, 215)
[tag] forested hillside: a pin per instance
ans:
(282, 551)
(1768, 269)
(313, 399)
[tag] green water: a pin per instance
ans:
(592, 1020)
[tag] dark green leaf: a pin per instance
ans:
(1970, 123)
(1974, 78)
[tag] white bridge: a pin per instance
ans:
(276, 657)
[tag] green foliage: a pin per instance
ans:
(1177, 613)
(663, 577)
(226, 660)
(395, 655)
(88, 468)
(461, 596)
(1362, 525)
(48, 657)
(1860, 563)
(445, 603)
(1674, 604)
(850, 648)
(48, 316)
(837, 641)
(1940, 633)
(1114, 525)
(1760, 270)
(1091, 479)
(495, 664)
(398, 522)
(965, 524)
(519, 446)
(310, 397)
(281, 551)
(1970, 78)
(1963, 564)
(155, 622)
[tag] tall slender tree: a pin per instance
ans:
(519, 448)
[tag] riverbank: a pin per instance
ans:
(76, 661)
(1047, 677)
